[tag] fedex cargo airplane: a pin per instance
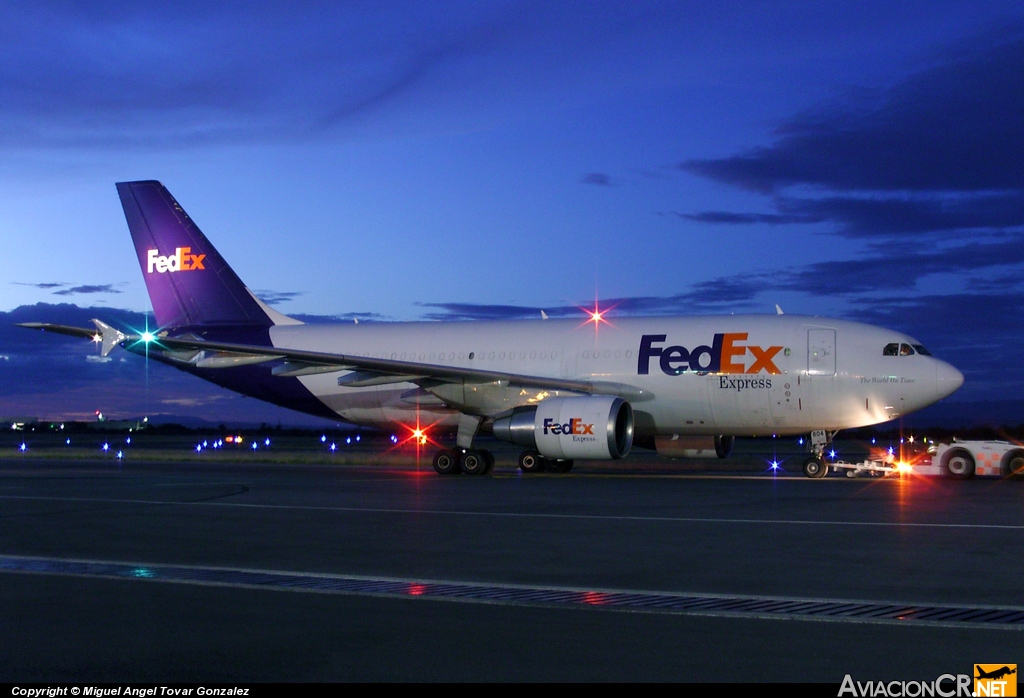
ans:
(560, 389)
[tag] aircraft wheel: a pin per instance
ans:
(723, 445)
(531, 462)
(1013, 464)
(474, 463)
(959, 465)
(815, 468)
(566, 466)
(554, 466)
(490, 461)
(446, 462)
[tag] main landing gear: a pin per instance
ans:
(464, 458)
(468, 461)
(472, 461)
(481, 462)
(532, 462)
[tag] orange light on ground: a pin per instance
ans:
(594, 598)
(418, 435)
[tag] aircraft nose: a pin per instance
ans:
(947, 379)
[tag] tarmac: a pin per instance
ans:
(377, 569)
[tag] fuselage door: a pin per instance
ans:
(821, 352)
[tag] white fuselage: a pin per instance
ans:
(737, 374)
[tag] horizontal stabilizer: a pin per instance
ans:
(109, 336)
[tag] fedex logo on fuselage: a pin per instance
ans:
(181, 260)
(725, 355)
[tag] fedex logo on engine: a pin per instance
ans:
(726, 354)
(574, 426)
(181, 260)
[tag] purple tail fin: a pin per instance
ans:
(189, 283)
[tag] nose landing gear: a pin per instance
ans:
(815, 467)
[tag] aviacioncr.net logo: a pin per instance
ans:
(181, 260)
(945, 686)
(995, 680)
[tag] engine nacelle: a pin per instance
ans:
(676, 446)
(596, 427)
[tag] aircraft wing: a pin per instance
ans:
(366, 370)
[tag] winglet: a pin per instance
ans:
(109, 336)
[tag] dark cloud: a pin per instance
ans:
(601, 180)
(145, 76)
(44, 286)
(880, 269)
(345, 317)
(87, 288)
(938, 153)
(729, 217)
(953, 127)
(478, 311)
(706, 297)
(275, 297)
(863, 216)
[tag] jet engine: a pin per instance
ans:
(564, 428)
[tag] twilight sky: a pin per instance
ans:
(459, 160)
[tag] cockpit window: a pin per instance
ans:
(898, 349)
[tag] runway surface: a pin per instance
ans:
(262, 572)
